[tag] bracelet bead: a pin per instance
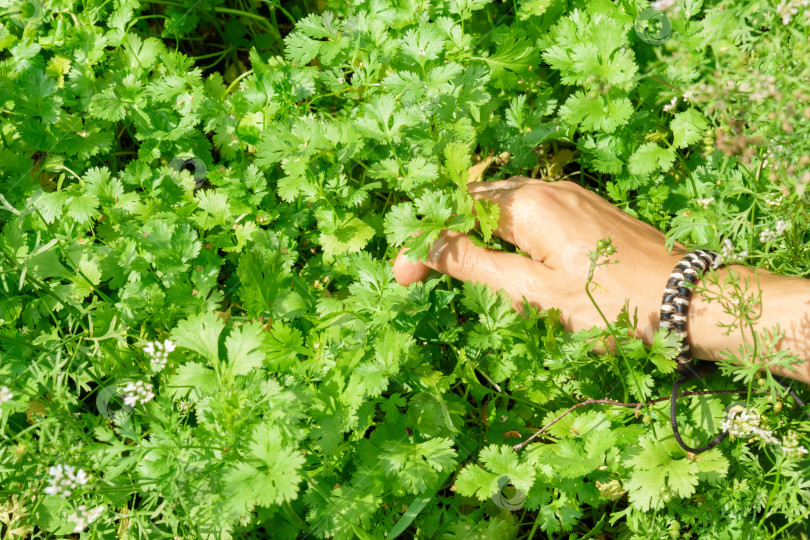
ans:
(678, 294)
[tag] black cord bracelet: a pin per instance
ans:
(674, 315)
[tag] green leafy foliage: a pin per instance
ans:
(227, 183)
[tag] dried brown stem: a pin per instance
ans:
(520, 446)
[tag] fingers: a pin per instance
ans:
(512, 183)
(504, 198)
(455, 255)
(521, 212)
(407, 272)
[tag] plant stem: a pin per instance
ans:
(236, 80)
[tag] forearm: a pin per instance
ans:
(558, 223)
(785, 302)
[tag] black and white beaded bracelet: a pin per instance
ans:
(674, 313)
(678, 294)
(673, 316)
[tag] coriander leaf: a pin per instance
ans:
(649, 158)
(342, 232)
(270, 476)
(200, 333)
(644, 487)
(465, 8)
(244, 346)
(300, 48)
(50, 205)
(596, 113)
(513, 54)
(688, 127)
(193, 380)
(263, 278)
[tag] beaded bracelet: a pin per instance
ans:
(678, 294)
(673, 316)
(674, 312)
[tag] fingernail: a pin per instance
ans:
(481, 186)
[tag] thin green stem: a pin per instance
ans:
(771, 497)
(211, 55)
(236, 81)
(286, 13)
(609, 327)
(247, 15)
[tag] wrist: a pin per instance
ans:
(708, 321)
(783, 302)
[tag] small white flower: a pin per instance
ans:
(159, 353)
(84, 517)
(672, 104)
(728, 254)
(767, 235)
(184, 405)
(421, 52)
(745, 423)
(130, 400)
(789, 9)
(790, 445)
(663, 5)
(705, 202)
(81, 477)
(137, 392)
(5, 395)
(64, 479)
(776, 201)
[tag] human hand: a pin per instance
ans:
(557, 224)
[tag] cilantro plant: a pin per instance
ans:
(200, 333)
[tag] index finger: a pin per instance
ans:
(455, 255)
(520, 212)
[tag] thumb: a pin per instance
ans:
(454, 254)
(407, 272)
